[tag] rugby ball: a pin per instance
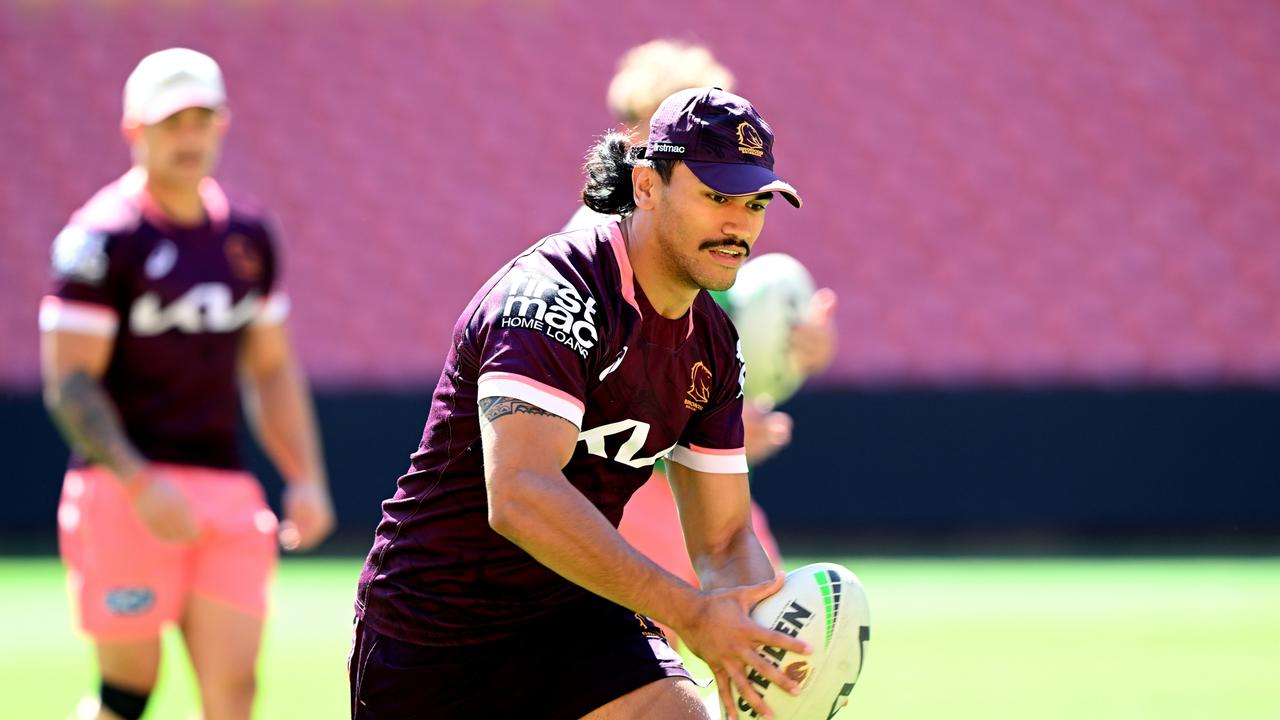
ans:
(824, 605)
(771, 295)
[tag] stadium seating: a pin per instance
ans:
(1000, 191)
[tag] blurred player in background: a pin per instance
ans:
(164, 296)
(498, 585)
(646, 75)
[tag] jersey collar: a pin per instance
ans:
(133, 186)
(626, 275)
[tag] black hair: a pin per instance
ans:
(608, 168)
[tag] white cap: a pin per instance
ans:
(172, 80)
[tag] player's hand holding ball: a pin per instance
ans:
(721, 632)
(162, 506)
(813, 338)
(308, 515)
(825, 605)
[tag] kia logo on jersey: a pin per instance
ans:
(206, 307)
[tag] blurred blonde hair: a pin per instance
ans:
(648, 73)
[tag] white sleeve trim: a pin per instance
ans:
(57, 314)
(719, 462)
(274, 309)
(501, 384)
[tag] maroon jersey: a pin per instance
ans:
(175, 300)
(564, 327)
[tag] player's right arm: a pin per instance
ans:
(78, 326)
(533, 505)
(72, 365)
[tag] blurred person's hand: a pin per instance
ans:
(308, 516)
(766, 430)
(162, 506)
(813, 340)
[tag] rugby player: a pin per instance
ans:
(646, 75)
(164, 294)
(497, 584)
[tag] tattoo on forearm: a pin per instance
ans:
(492, 408)
(89, 422)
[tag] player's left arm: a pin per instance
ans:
(278, 404)
(707, 472)
(715, 513)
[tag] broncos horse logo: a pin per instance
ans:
(699, 386)
(749, 140)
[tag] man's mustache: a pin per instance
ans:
(726, 242)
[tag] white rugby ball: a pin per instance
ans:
(825, 605)
(771, 295)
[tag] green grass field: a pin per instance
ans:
(1039, 639)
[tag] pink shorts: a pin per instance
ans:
(127, 584)
(651, 523)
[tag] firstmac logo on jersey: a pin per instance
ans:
(742, 370)
(553, 307)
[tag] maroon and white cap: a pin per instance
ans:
(168, 81)
(721, 138)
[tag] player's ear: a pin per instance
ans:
(130, 130)
(222, 119)
(644, 186)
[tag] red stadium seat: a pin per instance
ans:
(999, 191)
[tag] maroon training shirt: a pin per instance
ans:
(175, 300)
(564, 327)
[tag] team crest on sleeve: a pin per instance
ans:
(80, 254)
(553, 307)
(245, 261)
(699, 393)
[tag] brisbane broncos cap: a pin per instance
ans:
(721, 138)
